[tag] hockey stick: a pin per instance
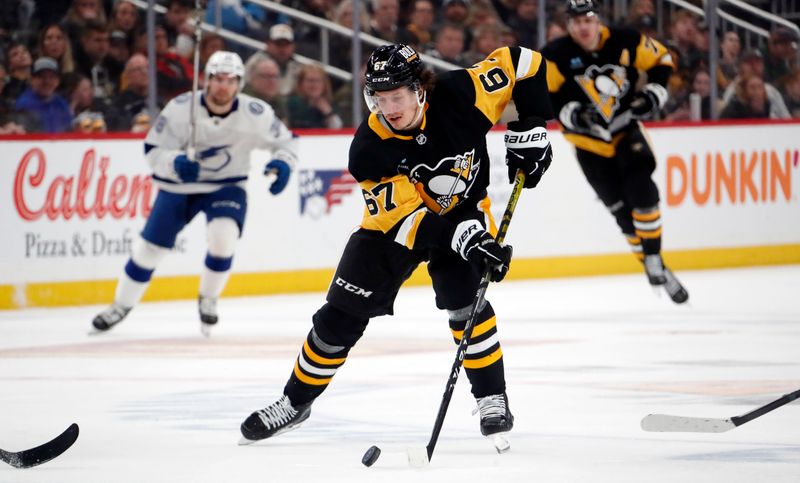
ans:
(418, 456)
(44, 453)
(191, 150)
(667, 423)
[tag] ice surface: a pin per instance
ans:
(585, 360)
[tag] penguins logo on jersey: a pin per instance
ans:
(604, 86)
(451, 177)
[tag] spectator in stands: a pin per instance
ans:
(209, 43)
(131, 102)
(421, 24)
(78, 14)
(751, 63)
(507, 36)
(730, 48)
(51, 111)
(638, 10)
(19, 63)
(311, 106)
(449, 44)
(280, 47)
(750, 102)
(262, 78)
(53, 43)
(647, 25)
(88, 112)
(525, 23)
(679, 108)
(8, 119)
(555, 30)
(180, 33)
(383, 23)
(173, 73)
(484, 42)
(683, 32)
(456, 12)
(308, 37)
(92, 59)
(343, 100)
(340, 46)
(119, 47)
(789, 87)
(242, 17)
(124, 17)
(781, 54)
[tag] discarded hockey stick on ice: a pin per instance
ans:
(422, 456)
(44, 453)
(667, 423)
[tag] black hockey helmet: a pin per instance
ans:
(576, 8)
(392, 66)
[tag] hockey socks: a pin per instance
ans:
(483, 361)
(314, 369)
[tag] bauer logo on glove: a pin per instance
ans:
(528, 149)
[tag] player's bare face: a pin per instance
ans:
(585, 31)
(399, 107)
(222, 89)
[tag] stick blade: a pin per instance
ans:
(43, 453)
(685, 424)
(417, 456)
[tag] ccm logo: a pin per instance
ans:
(526, 137)
(352, 288)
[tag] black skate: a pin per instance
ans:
(676, 291)
(279, 417)
(110, 317)
(207, 307)
(654, 269)
(496, 420)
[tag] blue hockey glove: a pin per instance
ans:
(186, 169)
(282, 172)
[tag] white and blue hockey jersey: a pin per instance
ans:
(224, 143)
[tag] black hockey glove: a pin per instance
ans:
(646, 103)
(477, 246)
(528, 148)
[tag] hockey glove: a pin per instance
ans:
(282, 172)
(584, 118)
(528, 149)
(649, 101)
(186, 169)
(477, 246)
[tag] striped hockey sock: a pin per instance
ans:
(314, 369)
(483, 361)
(647, 223)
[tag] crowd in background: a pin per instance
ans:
(81, 65)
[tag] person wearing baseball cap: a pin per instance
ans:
(51, 110)
(781, 53)
(281, 47)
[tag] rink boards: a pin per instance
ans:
(72, 208)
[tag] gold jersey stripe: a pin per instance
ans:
(483, 361)
(651, 53)
(405, 200)
(319, 359)
(493, 87)
(309, 380)
(485, 206)
(593, 145)
(555, 79)
(479, 329)
(634, 240)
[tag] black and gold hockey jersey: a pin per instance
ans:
(605, 78)
(445, 161)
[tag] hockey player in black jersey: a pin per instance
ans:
(592, 75)
(423, 168)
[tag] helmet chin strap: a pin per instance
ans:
(418, 115)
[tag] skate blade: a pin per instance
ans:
(205, 329)
(245, 442)
(501, 442)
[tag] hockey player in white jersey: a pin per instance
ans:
(229, 125)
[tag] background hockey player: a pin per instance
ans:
(423, 167)
(592, 74)
(229, 126)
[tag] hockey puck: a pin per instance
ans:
(371, 456)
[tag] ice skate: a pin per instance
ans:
(654, 269)
(207, 307)
(279, 417)
(675, 289)
(496, 420)
(110, 317)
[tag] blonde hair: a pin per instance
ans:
(73, 17)
(66, 62)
